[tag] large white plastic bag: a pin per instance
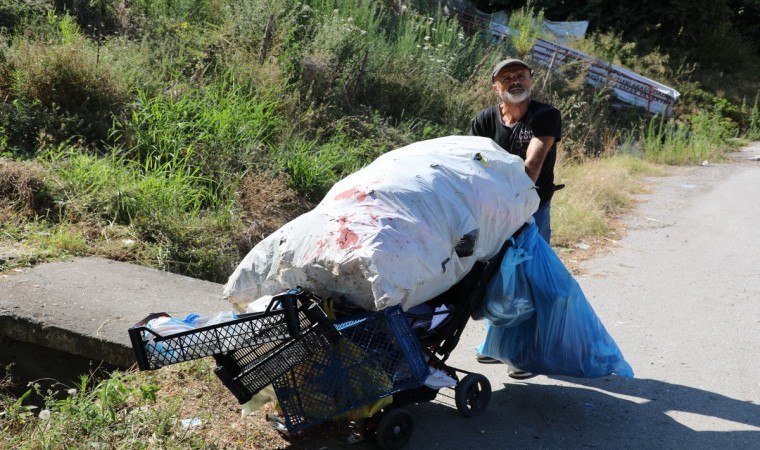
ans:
(564, 336)
(385, 235)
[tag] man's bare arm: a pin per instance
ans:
(535, 155)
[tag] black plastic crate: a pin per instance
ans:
(377, 355)
(247, 371)
(285, 319)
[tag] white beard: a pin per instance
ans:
(515, 98)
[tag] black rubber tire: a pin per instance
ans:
(394, 429)
(472, 395)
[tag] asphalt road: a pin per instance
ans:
(680, 294)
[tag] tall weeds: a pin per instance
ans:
(668, 141)
(220, 129)
(525, 26)
(753, 131)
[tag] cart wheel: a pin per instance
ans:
(395, 429)
(472, 394)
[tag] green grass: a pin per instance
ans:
(177, 407)
(119, 411)
(705, 138)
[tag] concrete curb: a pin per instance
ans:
(86, 305)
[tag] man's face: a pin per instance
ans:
(513, 84)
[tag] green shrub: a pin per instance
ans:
(703, 137)
(121, 191)
(589, 123)
(196, 11)
(753, 130)
(405, 66)
(221, 130)
(168, 206)
(25, 124)
(611, 47)
(97, 18)
(526, 23)
(16, 15)
(422, 72)
(61, 88)
(313, 168)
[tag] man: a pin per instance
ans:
(526, 128)
(530, 130)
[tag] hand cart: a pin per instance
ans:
(321, 369)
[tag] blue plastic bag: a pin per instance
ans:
(565, 336)
(508, 301)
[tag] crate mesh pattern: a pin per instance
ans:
(376, 356)
(248, 370)
(263, 333)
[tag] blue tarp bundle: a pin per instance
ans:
(564, 336)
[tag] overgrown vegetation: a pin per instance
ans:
(148, 120)
(178, 133)
(132, 410)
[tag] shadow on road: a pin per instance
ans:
(671, 413)
(584, 413)
(614, 412)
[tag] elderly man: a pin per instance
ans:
(526, 128)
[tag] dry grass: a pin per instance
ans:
(204, 397)
(586, 214)
(269, 203)
(20, 186)
(222, 424)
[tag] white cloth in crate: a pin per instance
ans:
(386, 234)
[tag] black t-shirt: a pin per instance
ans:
(540, 120)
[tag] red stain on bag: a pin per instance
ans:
(347, 237)
(353, 192)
